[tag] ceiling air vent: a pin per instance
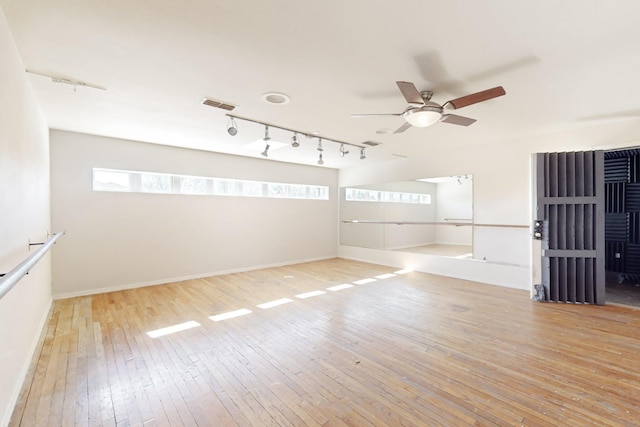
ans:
(371, 143)
(218, 104)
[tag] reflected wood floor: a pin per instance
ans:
(404, 350)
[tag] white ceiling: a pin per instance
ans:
(564, 65)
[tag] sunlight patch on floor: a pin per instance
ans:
(230, 315)
(340, 287)
(274, 303)
(173, 329)
(310, 294)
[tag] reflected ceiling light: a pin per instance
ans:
(232, 128)
(320, 161)
(320, 144)
(343, 151)
(266, 151)
(362, 156)
(423, 116)
(294, 140)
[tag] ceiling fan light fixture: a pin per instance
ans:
(423, 116)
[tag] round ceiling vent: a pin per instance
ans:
(275, 98)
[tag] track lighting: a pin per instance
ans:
(266, 139)
(232, 128)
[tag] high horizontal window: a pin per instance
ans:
(362, 195)
(164, 183)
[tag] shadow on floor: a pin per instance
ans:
(622, 291)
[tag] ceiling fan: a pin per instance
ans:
(422, 112)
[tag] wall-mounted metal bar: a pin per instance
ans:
(10, 279)
(308, 135)
(458, 219)
(456, 224)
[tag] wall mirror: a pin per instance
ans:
(428, 215)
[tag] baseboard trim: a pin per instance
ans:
(181, 278)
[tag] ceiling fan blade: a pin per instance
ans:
(475, 98)
(402, 128)
(376, 115)
(457, 120)
(410, 93)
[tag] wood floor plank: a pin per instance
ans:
(402, 350)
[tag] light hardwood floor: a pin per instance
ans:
(405, 350)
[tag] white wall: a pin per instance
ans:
(501, 194)
(120, 240)
(24, 216)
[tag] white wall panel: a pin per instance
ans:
(118, 240)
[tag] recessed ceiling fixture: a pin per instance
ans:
(275, 98)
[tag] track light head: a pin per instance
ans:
(320, 144)
(266, 151)
(362, 156)
(232, 128)
(343, 152)
(320, 161)
(266, 135)
(294, 140)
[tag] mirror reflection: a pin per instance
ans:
(428, 215)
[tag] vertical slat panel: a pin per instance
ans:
(553, 175)
(589, 281)
(580, 279)
(572, 282)
(579, 216)
(579, 166)
(598, 224)
(573, 226)
(588, 174)
(553, 279)
(561, 227)
(562, 279)
(562, 174)
(571, 174)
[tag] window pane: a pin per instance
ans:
(226, 187)
(111, 180)
(251, 188)
(276, 190)
(193, 185)
(155, 183)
